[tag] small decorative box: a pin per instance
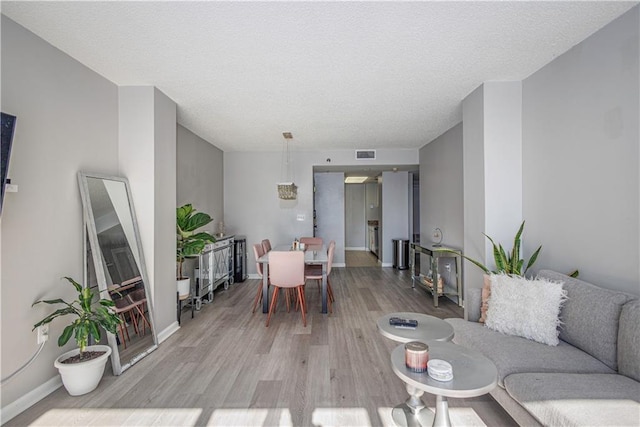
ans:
(440, 370)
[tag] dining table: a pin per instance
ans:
(313, 255)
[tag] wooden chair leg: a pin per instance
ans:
(258, 299)
(287, 297)
(272, 306)
(145, 322)
(123, 330)
(301, 299)
(330, 291)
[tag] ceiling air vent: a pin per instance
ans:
(365, 154)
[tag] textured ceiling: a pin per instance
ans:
(336, 74)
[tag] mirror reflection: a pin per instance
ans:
(115, 265)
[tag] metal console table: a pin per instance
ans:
(437, 254)
(215, 268)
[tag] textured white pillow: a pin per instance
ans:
(525, 308)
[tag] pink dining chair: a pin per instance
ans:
(266, 245)
(314, 272)
(258, 251)
(286, 270)
(311, 241)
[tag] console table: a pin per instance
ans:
(436, 255)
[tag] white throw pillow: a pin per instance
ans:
(525, 308)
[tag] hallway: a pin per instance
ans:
(360, 259)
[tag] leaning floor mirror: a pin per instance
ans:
(114, 263)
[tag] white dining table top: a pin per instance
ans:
(313, 254)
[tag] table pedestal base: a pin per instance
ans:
(414, 413)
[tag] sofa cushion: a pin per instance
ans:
(577, 399)
(513, 354)
(629, 340)
(525, 308)
(590, 317)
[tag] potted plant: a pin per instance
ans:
(508, 262)
(189, 243)
(81, 369)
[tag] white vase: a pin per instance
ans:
(82, 377)
(184, 286)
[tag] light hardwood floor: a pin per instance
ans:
(360, 259)
(225, 368)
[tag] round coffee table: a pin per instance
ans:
(473, 375)
(429, 328)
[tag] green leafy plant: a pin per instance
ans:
(190, 243)
(90, 317)
(508, 262)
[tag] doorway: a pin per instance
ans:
(358, 214)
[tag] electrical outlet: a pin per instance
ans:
(447, 267)
(43, 333)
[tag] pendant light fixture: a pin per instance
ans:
(287, 190)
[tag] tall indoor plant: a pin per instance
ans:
(81, 369)
(190, 243)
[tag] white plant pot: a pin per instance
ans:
(82, 378)
(184, 287)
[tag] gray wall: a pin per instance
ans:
(355, 222)
(200, 177)
(330, 209)
(147, 156)
(441, 197)
(67, 122)
(396, 187)
(474, 184)
(581, 157)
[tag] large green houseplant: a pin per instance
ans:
(81, 369)
(189, 242)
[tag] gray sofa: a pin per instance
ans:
(592, 378)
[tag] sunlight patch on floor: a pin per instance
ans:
(247, 417)
(119, 417)
(466, 417)
(334, 417)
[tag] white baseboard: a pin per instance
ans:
(356, 248)
(254, 276)
(339, 264)
(387, 264)
(28, 400)
(168, 331)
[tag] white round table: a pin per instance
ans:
(473, 375)
(429, 328)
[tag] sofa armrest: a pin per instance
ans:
(472, 304)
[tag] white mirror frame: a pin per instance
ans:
(96, 252)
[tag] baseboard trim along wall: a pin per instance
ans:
(34, 396)
(359, 248)
(28, 400)
(168, 331)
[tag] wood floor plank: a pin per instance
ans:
(225, 368)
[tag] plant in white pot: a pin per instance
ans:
(189, 243)
(81, 369)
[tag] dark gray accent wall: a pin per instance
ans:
(441, 188)
(200, 174)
